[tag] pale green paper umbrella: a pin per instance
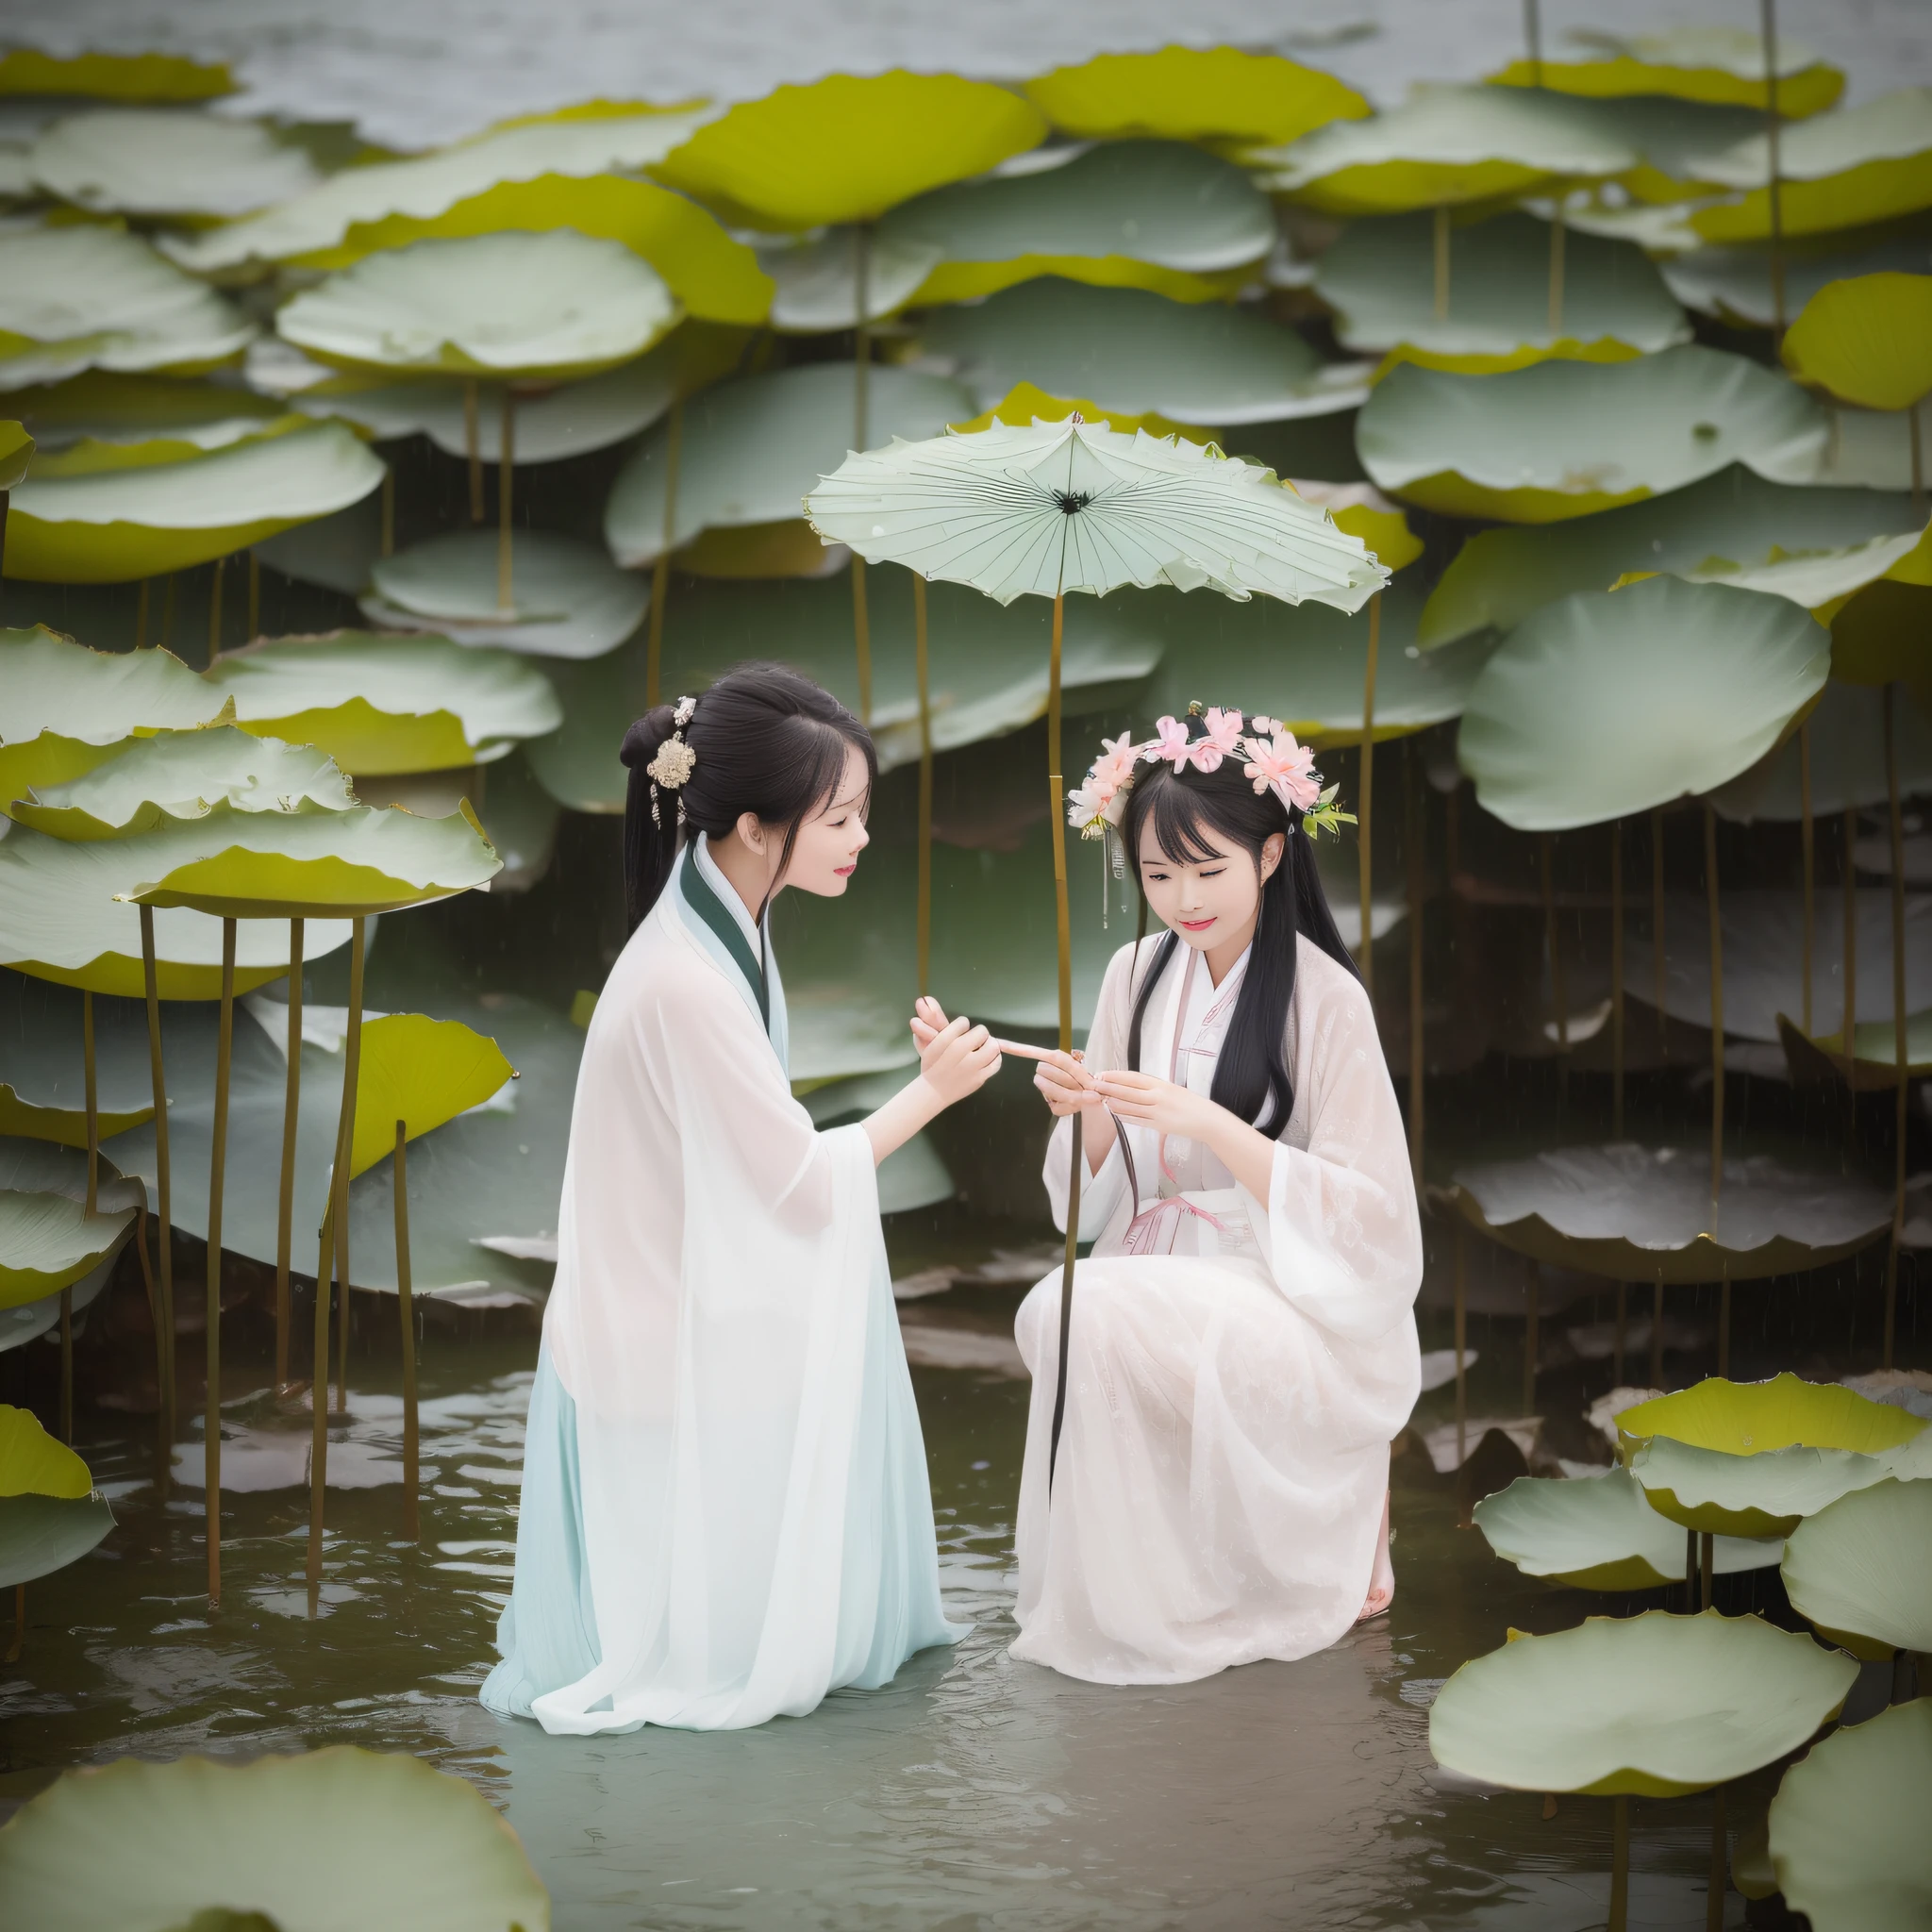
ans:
(1073, 506)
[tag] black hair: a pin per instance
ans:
(765, 740)
(1186, 808)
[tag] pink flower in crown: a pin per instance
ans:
(1222, 740)
(1170, 744)
(1115, 764)
(1289, 767)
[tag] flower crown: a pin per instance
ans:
(1271, 759)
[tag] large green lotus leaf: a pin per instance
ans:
(848, 147)
(162, 161)
(42, 1066)
(1847, 739)
(1636, 1213)
(1132, 350)
(1140, 214)
(988, 666)
(134, 77)
(1670, 137)
(751, 449)
(1810, 547)
(103, 420)
(1848, 1827)
(1654, 1705)
(1604, 704)
(1865, 449)
(41, 1534)
(115, 526)
(32, 1464)
(1866, 340)
(1379, 278)
(198, 1838)
(16, 454)
(1444, 145)
(1599, 1533)
(567, 598)
(1216, 95)
(88, 296)
(45, 1166)
(822, 278)
(1765, 1495)
(418, 1072)
(1744, 1419)
(1870, 164)
(1722, 64)
(1733, 283)
(379, 704)
(49, 1240)
(1861, 1569)
(151, 783)
(1567, 439)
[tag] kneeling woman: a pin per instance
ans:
(1243, 1344)
(725, 1510)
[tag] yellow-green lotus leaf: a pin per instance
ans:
(1718, 64)
(16, 453)
(102, 420)
(32, 1464)
(1874, 1050)
(379, 704)
(1652, 1705)
(1861, 1569)
(848, 147)
(116, 526)
(1133, 213)
(1444, 146)
(113, 76)
(1026, 404)
(1847, 1826)
(1868, 341)
(1135, 352)
(272, 1838)
(43, 1080)
(1379, 278)
(41, 1534)
(167, 161)
(1766, 1494)
(1732, 283)
(90, 297)
(1601, 704)
(1563, 440)
(48, 1241)
(1362, 510)
(1598, 1533)
(420, 1072)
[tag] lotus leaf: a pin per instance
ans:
(848, 147)
(1633, 1213)
(1763, 936)
(1216, 95)
(113, 76)
(335, 553)
(1847, 739)
(1874, 1051)
(92, 297)
(1379, 278)
(1866, 449)
(567, 599)
(1443, 147)
(1750, 1495)
(1847, 1826)
(382, 704)
(752, 448)
(1134, 351)
(519, 817)
(1744, 1419)
(1567, 439)
(48, 1241)
(43, 1072)
(1866, 340)
(1811, 546)
(33, 1464)
(1363, 512)
(177, 776)
(41, 1534)
(115, 526)
(1140, 214)
(422, 1072)
(45, 1166)
(103, 420)
(1686, 63)
(196, 1838)
(1026, 404)
(1602, 704)
(546, 306)
(158, 161)
(1869, 163)
(1860, 1569)
(817, 276)
(1599, 1533)
(1654, 1706)
(1733, 283)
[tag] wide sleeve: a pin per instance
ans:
(1340, 1235)
(1103, 1194)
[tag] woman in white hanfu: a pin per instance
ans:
(1243, 1344)
(725, 1512)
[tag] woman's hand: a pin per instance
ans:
(1146, 1101)
(957, 1058)
(1066, 1085)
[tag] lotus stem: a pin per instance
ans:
(1848, 1005)
(352, 1066)
(1617, 986)
(1723, 1323)
(1657, 1334)
(217, 1175)
(18, 1643)
(1620, 1863)
(1901, 1065)
(164, 1252)
(91, 1090)
(386, 538)
(154, 1315)
(1556, 233)
(1057, 819)
(169, 600)
(1659, 965)
(1622, 1331)
(1442, 241)
(1706, 1570)
(660, 568)
(140, 604)
(1914, 441)
(1365, 949)
(1720, 1864)
(254, 595)
(1767, 13)
(1717, 1008)
(291, 1113)
(506, 500)
(318, 1397)
(923, 929)
(1461, 1342)
(1553, 946)
(1415, 831)
(6, 496)
(67, 1364)
(473, 447)
(1807, 845)
(1532, 1310)
(215, 610)
(1690, 1569)
(1533, 41)
(405, 1307)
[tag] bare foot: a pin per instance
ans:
(1382, 1578)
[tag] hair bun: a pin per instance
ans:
(641, 741)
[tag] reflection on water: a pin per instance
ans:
(972, 1793)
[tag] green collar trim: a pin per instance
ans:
(702, 900)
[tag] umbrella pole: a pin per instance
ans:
(1807, 843)
(1616, 990)
(1461, 1341)
(861, 435)
(661, 570)
(473, 447)
(1365, 950)
(1717, 1008)
(506, 500)
(1414, 832)
(164, 1253)
(1899, 1062)
(292, 1101)
(217, 1175)
(1057, 818)
(1659, 965)
(923, 927)
(406, 1309)
(1620, 1864)
(1767, 13)
(352, 1066)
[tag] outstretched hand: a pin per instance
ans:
(956, 1057)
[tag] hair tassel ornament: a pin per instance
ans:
(675, 760)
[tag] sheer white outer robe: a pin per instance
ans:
(731, 1455)
(1230, 1401)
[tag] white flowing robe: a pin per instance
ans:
(1231, 1394)
(725, 1508)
